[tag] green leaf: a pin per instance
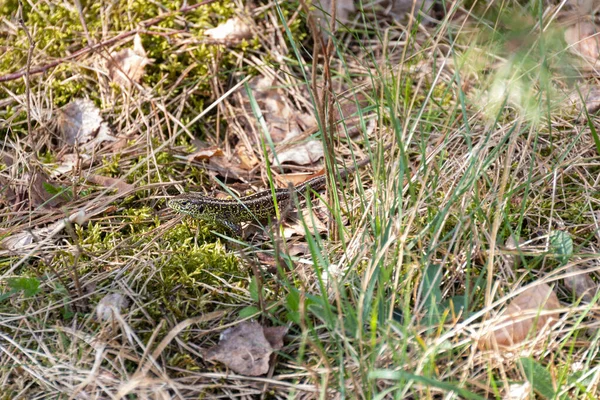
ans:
(253, 289)
(6, 295)
(423, 380)
(539, 378)
(248, 312)
(51, 189)
(431, 295)
(561, 245)
(29, 286)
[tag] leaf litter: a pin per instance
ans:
(247, 347)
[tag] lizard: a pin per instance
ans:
(229, 213)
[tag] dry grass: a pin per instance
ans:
(485, 148)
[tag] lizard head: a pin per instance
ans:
(187, 205)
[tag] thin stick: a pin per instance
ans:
(27, 69)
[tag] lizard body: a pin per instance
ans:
(229, 213)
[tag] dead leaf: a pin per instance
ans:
(280, 115)
(400, 8)
(519, 391)
(22, 242)
(275, 335)
(127, 66)
(305, 154)
(524, 317)
(109, 305)
(34, 190)
(80, 122)
(513, 261)
(323, 9)
(587, 96)
(295, 179)
(105, 181)
(19, 243)
(245, 349)
(584, 40)
(205, 154)
(581, 284)
(313, 222)
(246, 157)
(234, 29)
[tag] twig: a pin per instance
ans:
(85, 50)
(27, 68)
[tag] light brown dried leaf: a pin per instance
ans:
(295, 178)
(22, 242)
(580, 284)
(205, 154)
(305, 154)
(522, 318)
(246, 157)
(80, 121)
(30, 190)
(127, 66)
(233, 29)
(583, 39)
(587, 96)
(275, 335)
(313, 223)
(110, 304)
(105, 181)
(243, 348)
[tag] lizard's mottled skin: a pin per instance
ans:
(229, 213)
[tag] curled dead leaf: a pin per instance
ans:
(245, 348)
(305, 154)
(205, 154)
(127, 66)
(80, 122)
(524, 317)
(22, 242)
(105, 181)
(584, 40)
(233, 29)
(587, 96)
(581, 284)
(35, 190)
(247, 158)
(110, 304)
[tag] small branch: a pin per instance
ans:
(85, 50)
(27, 68)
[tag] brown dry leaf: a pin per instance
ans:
(127, 66)
(587, 96)
(19, 243)
(523, 317)
(400, 8)
(313, 223)
(305, 154)
(32, 190)
(233, 29)
(105, 181)
(580, 284)
(109, 305)
(22, 242)
(205, 154)
(275, 335)
(246, 157)
(281, 117)
(295, 178)
(80, 122)
(245, 349)
(584, 40)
